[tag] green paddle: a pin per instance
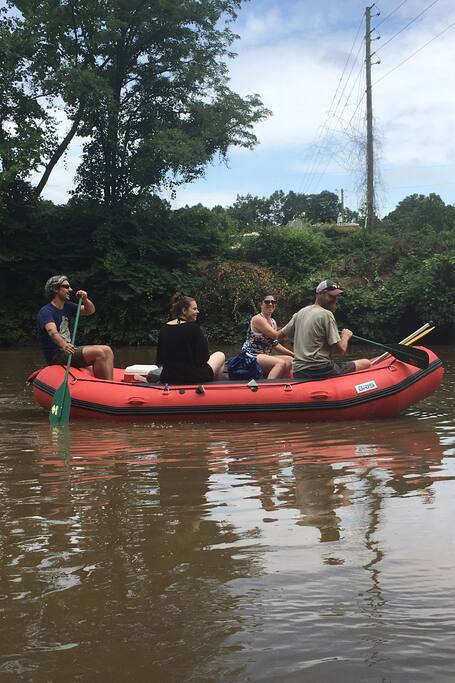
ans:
(60, 410)
(407, 354)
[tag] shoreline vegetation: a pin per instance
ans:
(396, 276)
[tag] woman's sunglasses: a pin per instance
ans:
(65, 286)
(270, 301)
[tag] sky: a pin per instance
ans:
(305, 58)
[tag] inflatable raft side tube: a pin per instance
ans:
(202, 409)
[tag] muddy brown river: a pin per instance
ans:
(203, 553)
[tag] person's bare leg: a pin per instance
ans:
(278, 370)
(273, 366)
(109, 364)
(101, 357)
(362, 364)
(287, 360)
(216, 362)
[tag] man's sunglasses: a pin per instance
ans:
(65, 286)
(270, 301)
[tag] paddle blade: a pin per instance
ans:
(61, 406)
(416, 357)
(60, 409)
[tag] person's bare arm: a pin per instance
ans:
(342, 345)
(260, 324)
(61, 342)
(88, 307)
(283, 351)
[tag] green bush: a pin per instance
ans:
(291, 252)
(395, 277)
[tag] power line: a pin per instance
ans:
(353, 129)
(343, 128)
(347, 80)
(327, 142)
(358, 79)
(324, 127)
(414, 53)
(390, 14)
(355, 112)
(324, 146)
(345, 67)
(409, 23)
(359, 73)
(338, 149)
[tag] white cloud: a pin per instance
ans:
(295, 84)
(187, 196)
(297, 76)
(292, 53)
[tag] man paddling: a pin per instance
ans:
(315, 334)
(55, 333)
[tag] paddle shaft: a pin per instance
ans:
(73, 338)
(59, 412)
(76, 321)
(419, 336)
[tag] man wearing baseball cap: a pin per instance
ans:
(315, 334)
(55, 332)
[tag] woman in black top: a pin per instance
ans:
(183, 349)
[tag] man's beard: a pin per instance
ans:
(331, 304)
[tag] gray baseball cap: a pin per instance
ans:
(330, 287)
(53, 284)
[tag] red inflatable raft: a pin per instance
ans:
(384, 390)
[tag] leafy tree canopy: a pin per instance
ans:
(145, 82)
(26, 130)
(420, 210)
(283, 208)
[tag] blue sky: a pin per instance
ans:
(304, 57)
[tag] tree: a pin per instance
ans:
(145, 82)
(322, 207)
(295, 207)
(280, 209)
(249, 211)
(419, 211)
(26, 131)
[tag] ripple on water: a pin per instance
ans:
(256, 551)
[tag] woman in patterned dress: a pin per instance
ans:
(261, 341)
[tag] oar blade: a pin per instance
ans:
(408, 354)
(416, 357)
(61, 406)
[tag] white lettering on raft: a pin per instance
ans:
(366, 386)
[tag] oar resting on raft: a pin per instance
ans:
(407, 354)
(407, 341)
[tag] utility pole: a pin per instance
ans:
(370, 153)
(340, 217)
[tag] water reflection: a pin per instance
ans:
(298, 467)
(209, 552)
(155, 528)
(124, 547)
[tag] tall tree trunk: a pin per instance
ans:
(59, 151)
